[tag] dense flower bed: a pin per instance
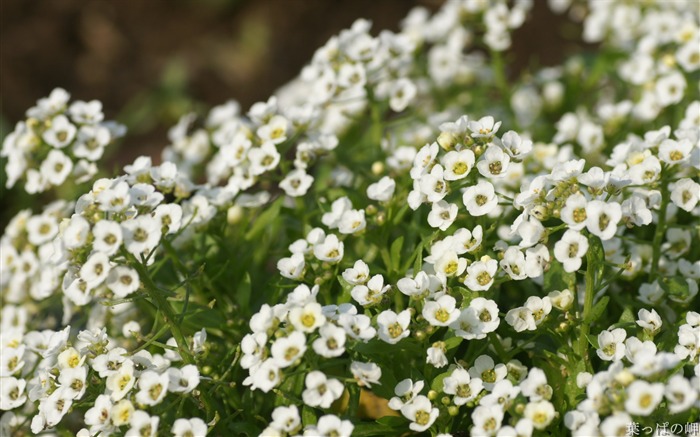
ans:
(402, 240)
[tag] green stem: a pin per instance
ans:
(587, 306)
(659, 234)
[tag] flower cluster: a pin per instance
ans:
(404, 239)
(57, 141)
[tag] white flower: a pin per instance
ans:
(331, 343)
(286, 418)
(436, 355)
(86, 112)
(649, 320)
(393, 327)
(56, 167)
(521, 319)
(433, 184)
(685, 194)
(405, 392)
(183, 380)
(570, 250)
(274, 131)
(152, 387)
(420, 412)
(402, 93)
(121, 412)
(307, 318)
(121, 381)
(115, 198)
(535, 386)
(41, 229)
(602, 218)
(292, 267)
(574, 212)
(679, 397)
(95, 269)
(487, 420)
(670, 88)
(643, 397)
(513, 263)
(561, 300)
(371, 293)
(675, 152)
(12, 393)
(458, 164)
(352, 221)
(516, 146)
(462, 386)
(141, 235)
(263, 158)
(60, 133)
(382, 190)
(142, 425)
(330, 426)
(441, 312)
(107, 237)
(502, 394)
(321, 391)
(189, 427)
(264, 376)
(296, 183)
(73, 381)
(170, 217)
(338, 207)
(357, 274)
(634, 210)
(442, 215)
(330, 250)
(590, 136)
(489, 372)
(98, 417)
(540, 308)
(122, 281)
(449, 264)
(611, 345)
(366, 373)
(493, 163)
(480, 274)
(414, 287)
(485, 127)
(541, 413)
(480, 199)
(357, 326)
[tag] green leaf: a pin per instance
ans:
(261, 223)
(308, 416)
(391, 421)
(437, 381)
(556, 278)
(627, 316)
(675, 286)
(571, 389)
(598, 309)
(396, 247)
(453, 342)
(244, 291)
(593, 340)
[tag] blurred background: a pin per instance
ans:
(151, 61)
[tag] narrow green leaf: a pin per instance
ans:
(395, 251)
(244, 291)
(593, 340)
(598, 309)
(308, 417)
(263, 220)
